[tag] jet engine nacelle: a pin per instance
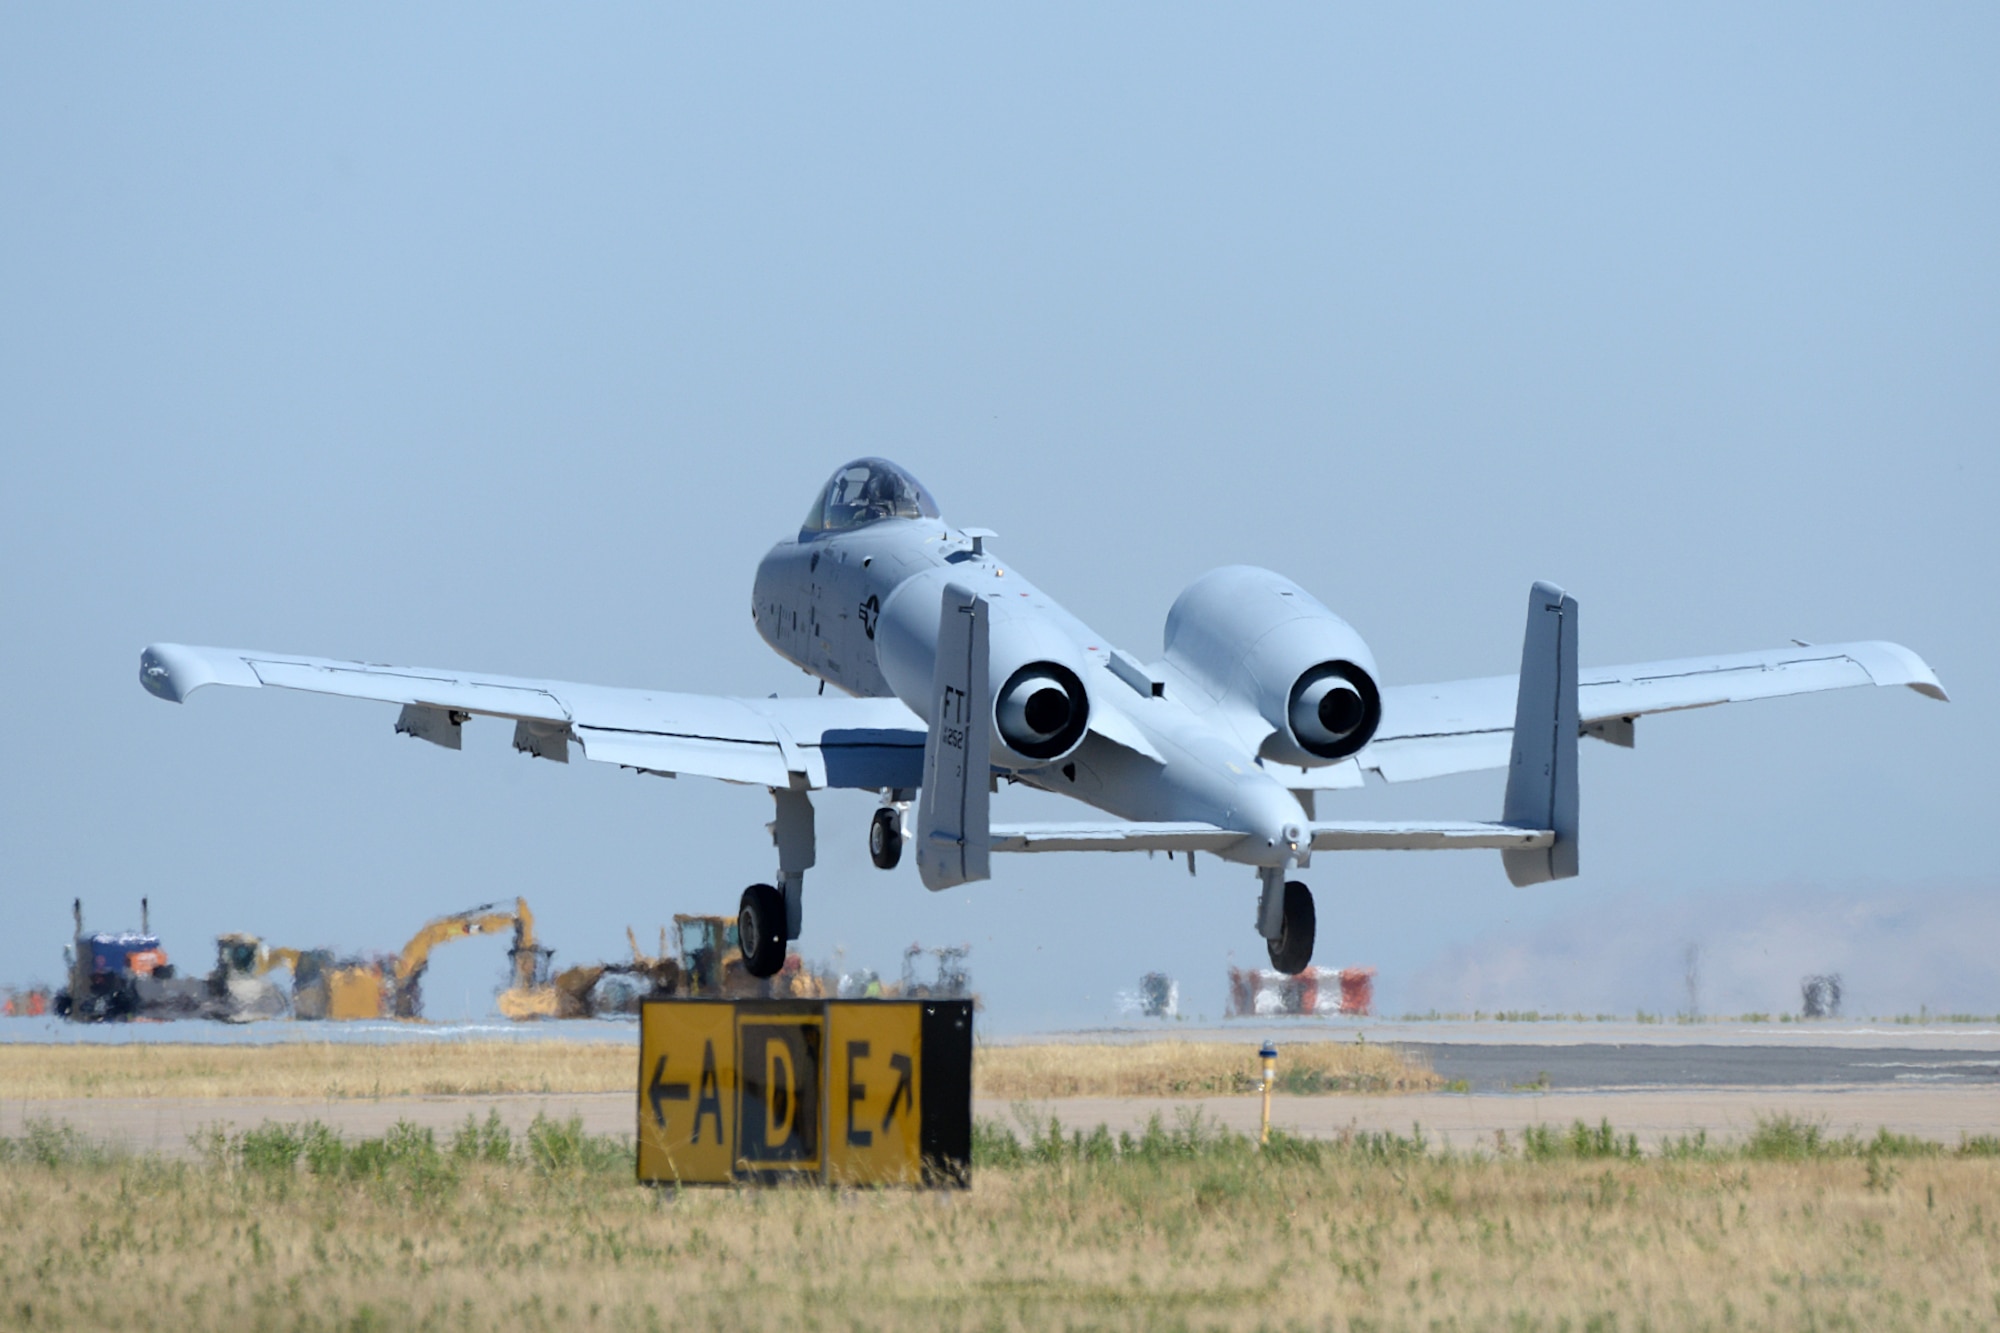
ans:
(1257, 640)
(1041, 708)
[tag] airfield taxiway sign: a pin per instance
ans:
(863, 1092)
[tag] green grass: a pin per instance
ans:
(1181, 1225)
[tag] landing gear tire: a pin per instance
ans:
(885, 838)
(1293, 949)
(760, 930)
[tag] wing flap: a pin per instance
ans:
(731, 761)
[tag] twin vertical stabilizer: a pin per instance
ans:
(953, 835)
(1541, 778)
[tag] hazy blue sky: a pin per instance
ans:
(510, 338)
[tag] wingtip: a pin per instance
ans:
(156, 673)
(173, 671)
(1893, 664)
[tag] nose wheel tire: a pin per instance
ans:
(1292, 951)
(760, 930)
(885, 838)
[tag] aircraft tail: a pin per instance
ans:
(954, 842)
(1541, 778)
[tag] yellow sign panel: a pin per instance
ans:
(834, 1091)
(687, 1094)
(873, 1064)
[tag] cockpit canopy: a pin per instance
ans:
(866, 490)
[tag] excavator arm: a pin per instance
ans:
(486, 919)
(269, 960)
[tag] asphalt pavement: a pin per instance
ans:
(1603, 1065)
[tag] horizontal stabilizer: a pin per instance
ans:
(1114, 836)
(1422, 836)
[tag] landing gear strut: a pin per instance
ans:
(885, 838)
(760, 930)
(770, 915)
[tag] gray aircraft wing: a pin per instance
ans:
(1464, 726)
(787, 743)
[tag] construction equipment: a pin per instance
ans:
(405, 981)
(953, 981)
(711, 964)
(705, 961)
(238, 990)
(104, 969)
(324, 987)
(122, 974)
(534, 989)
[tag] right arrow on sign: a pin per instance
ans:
(905, 1093)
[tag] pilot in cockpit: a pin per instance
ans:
(868, 490)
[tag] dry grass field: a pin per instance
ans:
(1190, 1069)
(1179, 1228)
(340, 1070)
(315, 1070)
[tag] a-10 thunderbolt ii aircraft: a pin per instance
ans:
(959, 674)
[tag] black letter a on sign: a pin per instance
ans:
(708, 1099)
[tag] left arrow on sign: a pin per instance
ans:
(663, 1091)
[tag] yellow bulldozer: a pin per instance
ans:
(711, 964)
(704, 960)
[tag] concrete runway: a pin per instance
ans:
(1599, 1066)
(1656, 1081)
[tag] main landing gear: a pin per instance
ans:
(768, 917)
(1286, 920)
(760, 930)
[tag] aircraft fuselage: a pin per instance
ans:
(859, 609)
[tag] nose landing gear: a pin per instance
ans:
(1286, 920)
(885, 838)
(885, 830)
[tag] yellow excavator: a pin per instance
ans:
(405, 992)
(532, 992)
(383, 987)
